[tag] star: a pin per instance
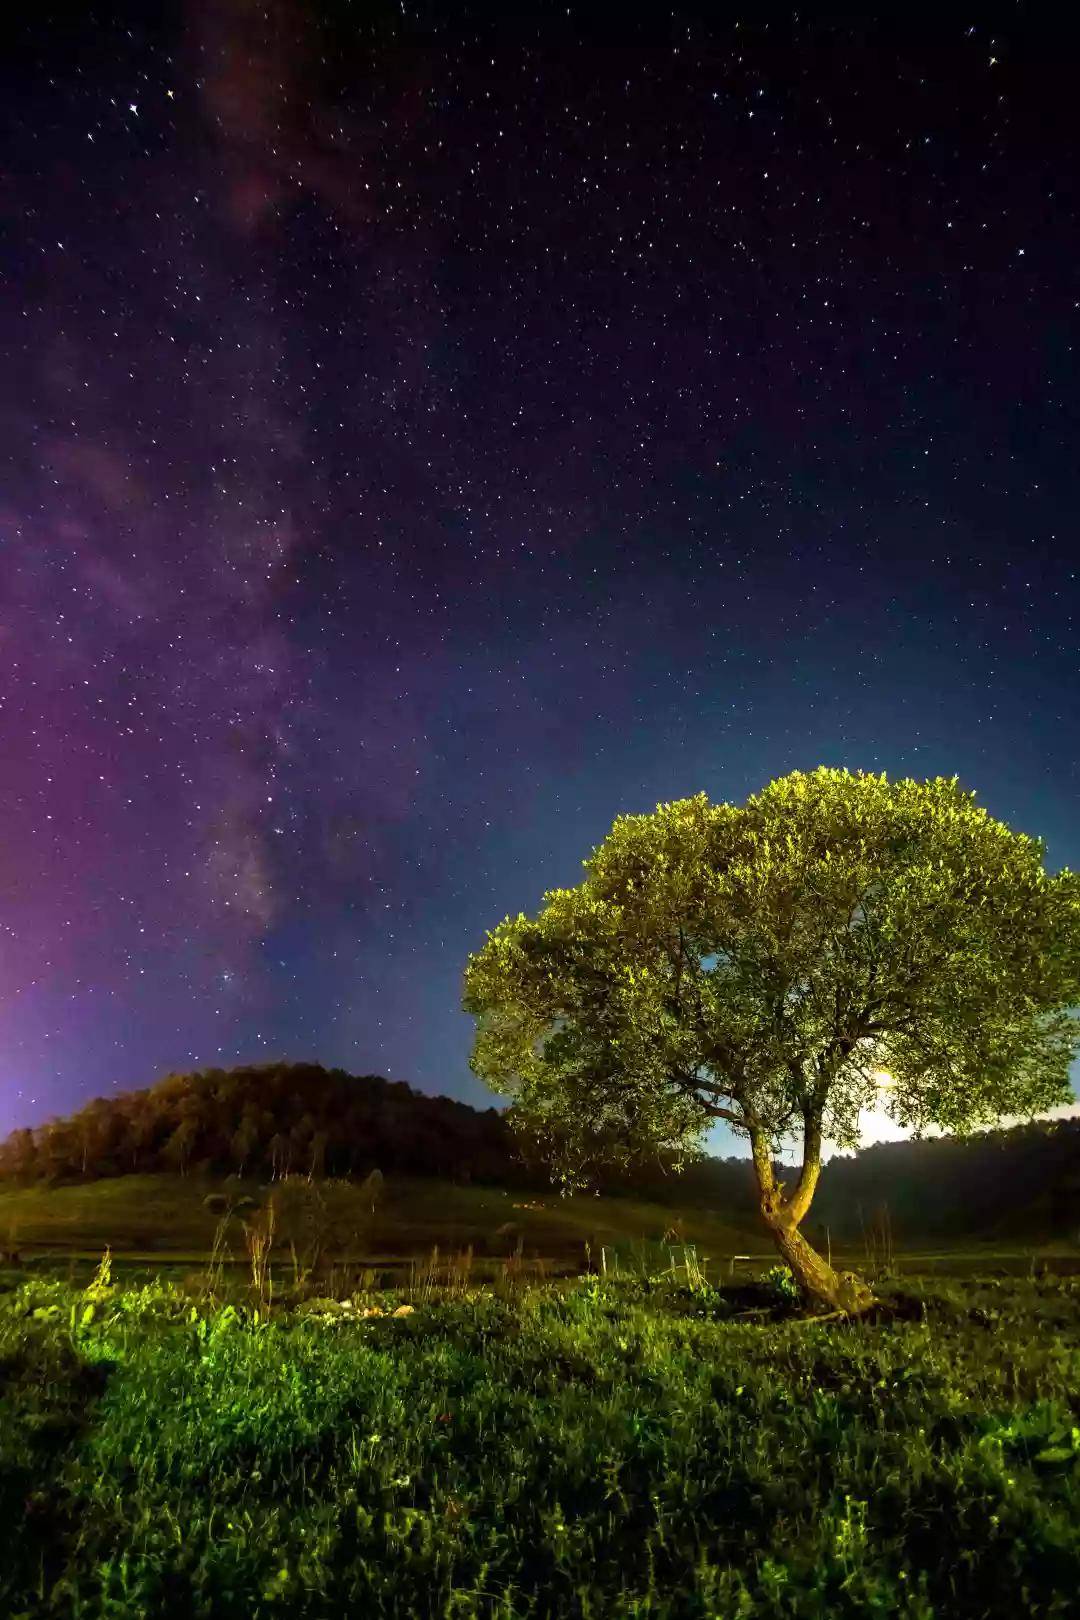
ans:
(366, 565)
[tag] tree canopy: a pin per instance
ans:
(769, 964)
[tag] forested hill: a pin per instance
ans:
(276, 1119)
(1018, 1184)
(268, 1120)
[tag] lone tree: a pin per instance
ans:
(776, 965)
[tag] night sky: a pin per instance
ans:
(426, 438)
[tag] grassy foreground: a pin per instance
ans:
(590, 1449)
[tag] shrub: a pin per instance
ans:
(782, 1285)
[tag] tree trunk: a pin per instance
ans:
(843, 1290)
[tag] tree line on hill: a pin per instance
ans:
(267, 1121)
(1022, 1183)
(272, 1120)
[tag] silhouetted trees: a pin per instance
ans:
(1018, 1183)
(268, 1120)
(999, 1185)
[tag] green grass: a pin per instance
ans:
(587, 1449)
(162, 1222)
(162, 1214)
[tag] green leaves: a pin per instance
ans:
(767, 963)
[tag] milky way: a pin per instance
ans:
(425, 442)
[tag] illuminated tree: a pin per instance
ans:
(767, 965)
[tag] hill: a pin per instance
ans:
(1021, 1184)
(265, 1123)
(268, 1120)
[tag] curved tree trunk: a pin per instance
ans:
(843, 1290)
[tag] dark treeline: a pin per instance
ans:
(1019, 1183)
(267, 1121)
(273, 1120)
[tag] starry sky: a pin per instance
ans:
(427, 436)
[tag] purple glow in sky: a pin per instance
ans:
(425, 443)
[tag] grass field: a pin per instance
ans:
(160, 1214)
(178, 1438)
(591, 1449)
(162, 1224)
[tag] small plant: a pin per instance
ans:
(259, 1236)
(9, 1249)
(693, 1271)
(878, 1243)
(215, 1265)
(450, 1275)
(101, 1282)
(371, 1189)
(513, 1268)
(782, 1285)
(299, 1269)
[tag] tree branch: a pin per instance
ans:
(801, 1198)
(716, 1112)
(692, 1086)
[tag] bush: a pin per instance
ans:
(781, 1283)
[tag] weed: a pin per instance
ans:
(259, 1237)
(780, 1283)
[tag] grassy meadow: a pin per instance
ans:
(172, 1223)
(425, 1409)
(620, 1447)
(169, 1217)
